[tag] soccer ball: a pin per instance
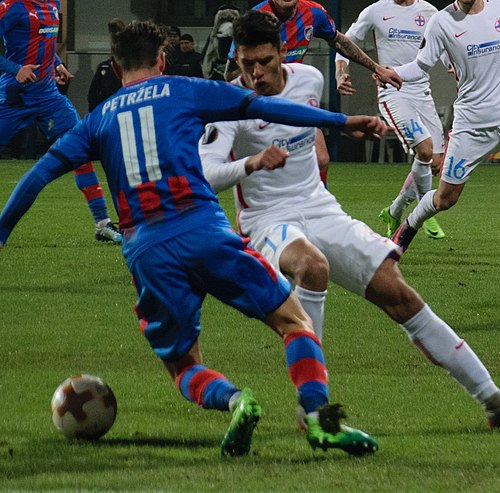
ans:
(83, 406)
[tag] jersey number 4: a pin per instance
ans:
(129, 140)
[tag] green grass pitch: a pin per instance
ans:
(66, 307)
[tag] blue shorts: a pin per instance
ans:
(54, 115)
(173, 277)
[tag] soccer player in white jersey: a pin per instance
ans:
(468, 31)
(300, 227)
(398, 27)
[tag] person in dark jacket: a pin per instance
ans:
(103, 85)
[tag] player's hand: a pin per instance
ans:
(387, 75)
(26, 74)
(344, 85)
(270, 158)
(366, 127)
(63, 75)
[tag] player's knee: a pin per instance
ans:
(390, 292)
(425, 155)
(423, 151)
(312, 270)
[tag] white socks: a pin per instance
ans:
(313, 303)
(424, 210)
(406, 196)
(443, 347)
(423, 176)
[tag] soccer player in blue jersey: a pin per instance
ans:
(29, 93)
(178, 243)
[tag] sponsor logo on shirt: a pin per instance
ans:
(296, 54)
(296, 143)
(388, 18)
(395, 34)
(49, 31)
(457, 35)
(474, 51)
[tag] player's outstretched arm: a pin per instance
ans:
(365, 127)
(348, 49)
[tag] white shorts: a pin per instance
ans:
(353, 250)
(414, 120)
(465, 150)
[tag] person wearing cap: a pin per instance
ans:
(188, 61)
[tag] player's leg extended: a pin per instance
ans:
(169, 315)
(414, 129)
(432, 202)
(307, 370)
(466, 149)
(56, 116)
(434, 337)
(88, 183)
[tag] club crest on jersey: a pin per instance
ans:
(308, 32)
(420, 20)
(497, 25)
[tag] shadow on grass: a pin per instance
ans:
(157, 442)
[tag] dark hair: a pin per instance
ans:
(138, 44)
(255, 28)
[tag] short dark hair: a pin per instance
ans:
(187, 37)
(255, 28)
(138, 44)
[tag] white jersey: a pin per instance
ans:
(288, 187)
(398, 33)
(472, 43)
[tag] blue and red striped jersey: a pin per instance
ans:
(310, 20)
(29, 29)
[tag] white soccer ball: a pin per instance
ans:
(83, 406)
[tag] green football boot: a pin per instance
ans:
(246, 415)
(433, 230)
(391, 223)
(326, 432)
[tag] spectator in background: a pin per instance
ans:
(103, 85)
(174, 44)
(188, 61)
(216, 49)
